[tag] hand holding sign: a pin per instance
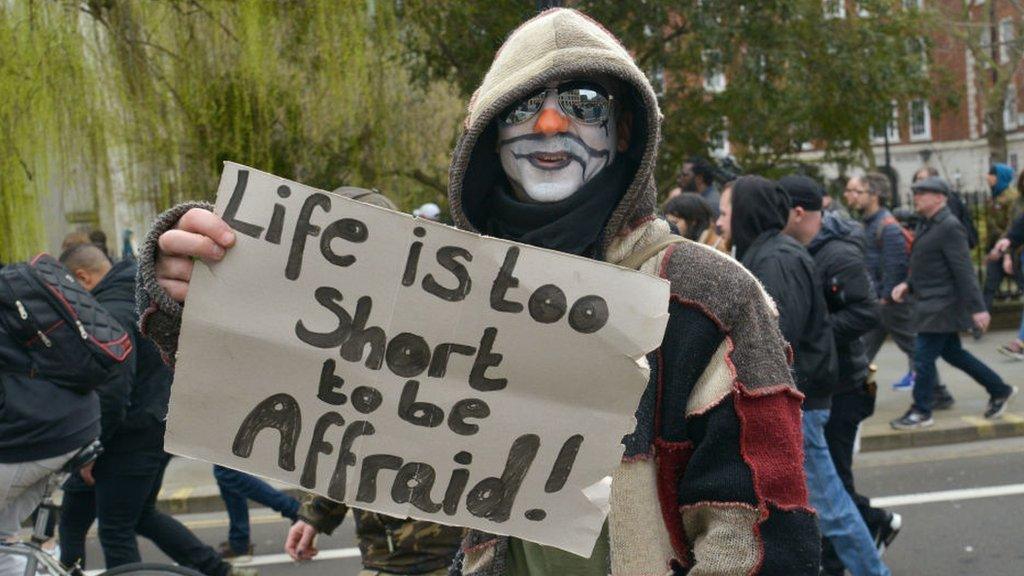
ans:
(408, 368)
(198, 234)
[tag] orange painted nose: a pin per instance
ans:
(551, 121)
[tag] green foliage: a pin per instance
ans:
(46, 126)
(314, 91)
(794, 75)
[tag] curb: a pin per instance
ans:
(205, 499)
(974, 428)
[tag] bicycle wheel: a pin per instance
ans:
(151, 569)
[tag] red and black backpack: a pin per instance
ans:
(69, 339)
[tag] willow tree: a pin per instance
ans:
(51, 116)
(313, 90)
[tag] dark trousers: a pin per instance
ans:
(124, 502)
(994, 276)
(932, 346)
(236, 489)
(896, 322)
(849, 409)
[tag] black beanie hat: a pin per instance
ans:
(803, 192)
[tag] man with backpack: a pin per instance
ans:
(129, 473)
(56, 346)
(887, 254)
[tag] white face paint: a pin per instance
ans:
(550, 156)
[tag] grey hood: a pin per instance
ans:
(559, 44)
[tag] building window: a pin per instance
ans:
(892, 129)
(1010, 117)
(834, 8)
(720, 144)
(714, 72)
(920, 121)
(1006, 36)
(657, 76)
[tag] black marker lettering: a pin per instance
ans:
(563, 464)
(408, 355)
(439, 361)
(446, 257)
(368, 474)
(492, 498)
(303, 230)
(277, 218)
(504, 281)
(589, 314)
(413, 484)
(327, 297)
(484, 360)
(468, 408)
(329, 390)
(231, 212)
(413, 259)
(418, 413)
(280, 412)
(352, 349)
(336, 489)
(319, 446)
(347, 229)
(547, 304)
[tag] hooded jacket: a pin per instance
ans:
(147, 381)
(1004, 206)
(760, 209)
(838, 252)
(886, 253)
(711, 479)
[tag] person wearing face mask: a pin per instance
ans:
(558, 152)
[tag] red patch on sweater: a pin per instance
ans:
(672, 460)
(771, 443)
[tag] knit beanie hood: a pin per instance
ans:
(1004, 176)
(557, 45)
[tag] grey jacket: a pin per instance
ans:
(942, 279)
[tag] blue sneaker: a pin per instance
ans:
(906, 382)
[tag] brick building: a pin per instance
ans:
(953, 140)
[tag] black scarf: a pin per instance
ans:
(573, 225)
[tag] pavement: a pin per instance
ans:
(189, 487)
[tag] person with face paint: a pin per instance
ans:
(558, 151)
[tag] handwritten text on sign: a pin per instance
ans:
(409, 368)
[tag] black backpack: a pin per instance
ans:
(69, 339)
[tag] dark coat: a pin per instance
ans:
(886, 253)
(787, 271)
(838, 252)
(942, 280)
(39, 419)
(148, 378)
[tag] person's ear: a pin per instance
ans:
(624, 130)
(82, 276)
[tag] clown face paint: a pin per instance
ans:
(552, 155)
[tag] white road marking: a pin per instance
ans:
(947, 496)
(271, 559)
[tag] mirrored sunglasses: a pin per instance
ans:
(586, 102)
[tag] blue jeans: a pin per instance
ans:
(928, 348)
(838, 517)
(236, 489)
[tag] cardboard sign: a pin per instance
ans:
(409, 368)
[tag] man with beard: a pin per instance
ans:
(558, 152)
(698, 177)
